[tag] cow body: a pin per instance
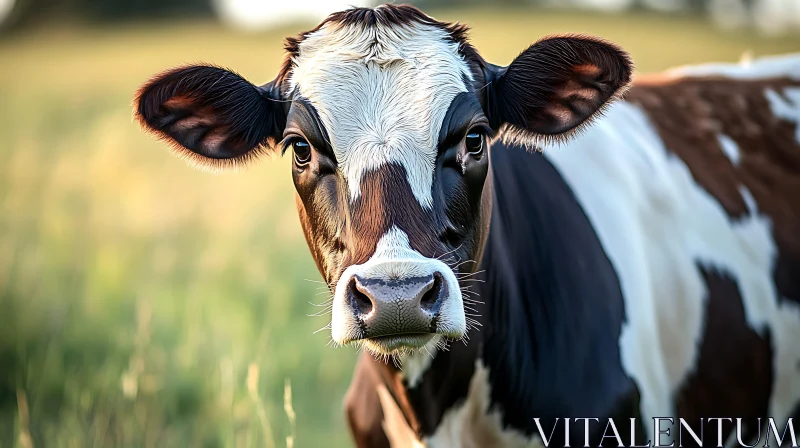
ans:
(647, 268)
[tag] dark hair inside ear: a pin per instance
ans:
(556, 85)
(212, 116)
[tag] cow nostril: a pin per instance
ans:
(359, 300)
(430, 300)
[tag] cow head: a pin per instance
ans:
(388, 115)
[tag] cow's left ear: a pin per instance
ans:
(555, 86)
(211, 116)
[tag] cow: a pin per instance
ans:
(517, 245)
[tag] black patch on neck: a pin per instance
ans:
(554, 308)
(444, 385)
(551, 318)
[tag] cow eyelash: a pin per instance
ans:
(481, 128)
(286, 142)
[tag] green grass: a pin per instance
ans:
(143, 303)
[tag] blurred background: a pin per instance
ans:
(147, 304)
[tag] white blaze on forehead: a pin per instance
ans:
(382, 93)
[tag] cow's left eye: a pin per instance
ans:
(302, 151)
(474, 143)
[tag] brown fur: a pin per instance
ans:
(690, 113)
(386, 200)
(734, 370)
(362, 405)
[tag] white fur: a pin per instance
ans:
(730, 148)
(787, 109)
(416, 364)
(749, 200)
(471, 424)
(764, 67)
(394, 258)
(382, 94)
(394, 424)
(656, 224)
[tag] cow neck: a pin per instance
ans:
(553, 309)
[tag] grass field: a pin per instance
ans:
(146, 304)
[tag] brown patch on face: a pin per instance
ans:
(308, 233)
(734, 373)
(691, 113)
(341, 234)
(387, 200)
(322, 209)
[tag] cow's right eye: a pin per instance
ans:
(474, 143)
(302, 151)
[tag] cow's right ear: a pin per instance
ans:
(555, 87)
(211, 116)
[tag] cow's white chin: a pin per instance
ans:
(400, 343)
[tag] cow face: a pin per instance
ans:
(388, 115)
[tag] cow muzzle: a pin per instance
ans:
(399, 305)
